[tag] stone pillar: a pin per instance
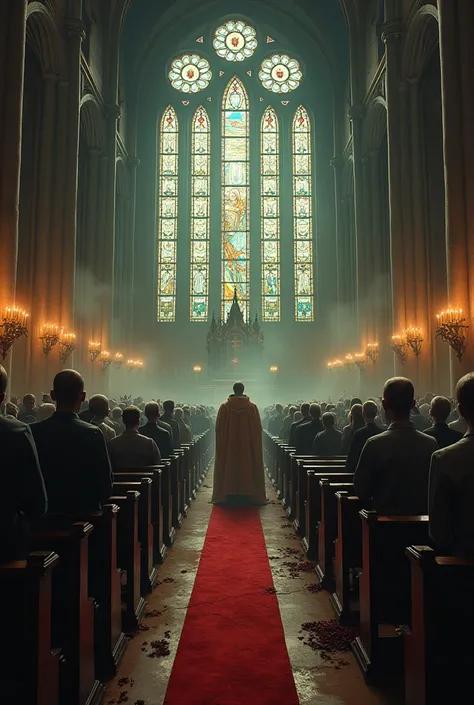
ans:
(356, 114)
(133, 163)
(336, 164)
(457, 70)
(12, 59)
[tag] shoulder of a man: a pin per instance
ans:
(12, 425)
(458, 452)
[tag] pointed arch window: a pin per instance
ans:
(270, 214)
(200, 213)
(167, 215)
(235, 197)
(303, 216)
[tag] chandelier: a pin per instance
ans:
(13, 326)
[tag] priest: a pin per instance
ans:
(238, 470)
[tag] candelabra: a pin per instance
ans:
(14, 324)
(105, 360)
(414, 338)
(118, 360)
(139, 364)
(330, 366)
(359, 359)
(95, 349)
(349, 361)
(197, 369)
(274, 369)
(49, 336)
(130, 365)
(67, 345)
(399, 347)
(372, 352)
(452, 328)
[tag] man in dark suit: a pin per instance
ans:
(440, 409)
(307, 432)
(167, 417)
(73, 454)
(360, 437)
(329, 441)
(304, 408)
(151, 429)
(23, 490)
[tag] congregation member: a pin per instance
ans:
(276, 421)
(459, 424)
(46, 410)
(151, 429)
(131, 449)
(287, 423)
(356, 422)
(304, 411)
(451, 488)
(115, 420)
(72, 453)
(28, 413)
(362, 435)
(11, 410)
(23, 490)
(85, 414)
(393, 468)
(329, 441)
(99, 408)
(183, 429)
(307, 432)
(168, 417)
(440, 410)
(419, 420)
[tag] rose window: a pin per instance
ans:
(235, 41)
(190, 73)
(280, 74)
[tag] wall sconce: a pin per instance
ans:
(49, 336)
(14, 324)
(452, 328)
(139, 365)
(274, 369)
(399, 347)
(330, 366)
(372, 352)
(105, 360)
(67, 345)
(95, 349)
(349, 362)
(415, 339)
(118, 360)
(197, 369)
(134, 365)
(359, 359)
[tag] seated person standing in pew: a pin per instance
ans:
(99, 406)
(439, 411)
(393, 468)
(184, 431)
(23, 490)
(362, 435)
(305, 417)
(329, 441)
(167, 417)
(151, 429)
(73, 453)
(451, 491)
(307, 432)
(131, 449)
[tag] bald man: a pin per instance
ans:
(73, 453)
(151, 429)
(440, 409)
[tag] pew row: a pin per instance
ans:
(327, 530)
(312, 510)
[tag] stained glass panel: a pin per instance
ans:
(200, 204)
(270, 214)
(235, 197)
(303, 217)
(167, 215)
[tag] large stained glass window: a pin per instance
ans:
(167, 216)
(200, 201)
(303, 216)
(270, 214)
(235, 197)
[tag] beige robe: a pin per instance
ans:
(238, 469)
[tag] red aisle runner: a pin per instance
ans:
(232, 649)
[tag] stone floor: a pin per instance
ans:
(144, 680)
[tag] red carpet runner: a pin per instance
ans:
(232, 649)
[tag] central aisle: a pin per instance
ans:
(232, 648)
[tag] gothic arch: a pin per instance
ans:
(421, 40)
(375, 126)
(43, 37)
(92, 124)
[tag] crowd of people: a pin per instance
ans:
(59, 456)
(408, 456)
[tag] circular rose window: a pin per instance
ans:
(235, 41)
(280, 74)
(190, 73)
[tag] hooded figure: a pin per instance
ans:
(238, 469)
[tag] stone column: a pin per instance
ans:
(133, 163)
(12, 59)
(457, 70)
(356, 114)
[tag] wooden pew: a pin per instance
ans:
(385, 597)
(348, 557)
(128, 559)
(29, 668)
(148, 572)
(322, 465)
(327, 530)
(72, 611)
(104, 583)
(292, 461)
(176, 513)
(439, 652)
(309, 542)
